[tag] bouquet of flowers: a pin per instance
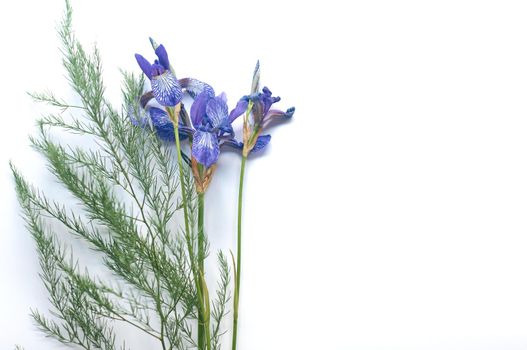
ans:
(140, 192)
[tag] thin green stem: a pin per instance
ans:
(174, 116)
(201, 262)
(238, 267)
(201, 230)
(180, 166)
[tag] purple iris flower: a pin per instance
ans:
(212, 121)
(262, 117)
(165, 87)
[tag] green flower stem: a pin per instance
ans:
(201, 262)
(238, 267)
(174, 116)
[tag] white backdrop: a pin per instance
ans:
(390, 214)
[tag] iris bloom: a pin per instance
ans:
(165, 87)
(209, 126)
(261, 116)
(212, 121)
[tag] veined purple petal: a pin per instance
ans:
(261, 142)
(162, 124)
(276, 115)
(195, 87)
(162, 55)
(158, 116)
(205, 148)
(217, 112)
(165, 132)
(145, 66)
(199, 108)
(166, 89)
(240, 108)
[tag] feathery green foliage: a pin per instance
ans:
(129, 212)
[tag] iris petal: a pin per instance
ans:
(146, 67)
(162, 124)
(198, 108)
(166, 89)
(267, 100)
(159, 116)
(195, 87)
(232, 143)
(261, 142)
(205, 148)
(275, 115)
(240, 108)
(217, 112)
(162, 55)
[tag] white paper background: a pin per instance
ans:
(390, 214)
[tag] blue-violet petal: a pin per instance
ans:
(217, 112)
(162, 55)
(198, 109)
(205, 148)
(146, 67)
(166, 89)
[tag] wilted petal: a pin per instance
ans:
(146, 67)
(261, 142)
(277, 115)
(195, 87)
(162, 55)
(217, 112)
(205, 148)
(199, 108)
(267, 100)
(240, 108)
(166, 89)
(146, 98)
(231, 143)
